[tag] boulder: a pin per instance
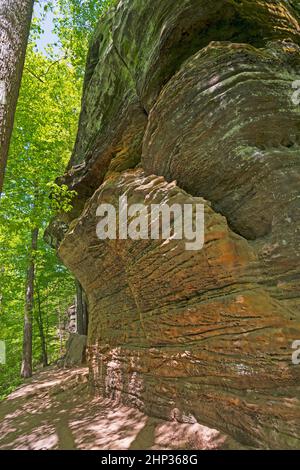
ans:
(186, 335)
(154, 38)
(224, 124)
(75, 351)
(136, 49)
(226, 128)
(191, 102)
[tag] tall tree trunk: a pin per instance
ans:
(60, 331)
(26, 370)
(41, 330)
(15, 19)
(81, 310)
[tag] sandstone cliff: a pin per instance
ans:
(186, 101)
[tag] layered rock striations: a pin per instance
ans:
(191, 102)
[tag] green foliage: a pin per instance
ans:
(43, 137)
(75, 21)
(61, 197)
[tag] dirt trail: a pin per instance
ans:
(55, 410)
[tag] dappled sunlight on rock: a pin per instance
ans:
(187, 436)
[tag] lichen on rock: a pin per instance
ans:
(190, 101)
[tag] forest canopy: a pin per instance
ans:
(45, 127)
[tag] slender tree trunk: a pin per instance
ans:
(15, 19)
(81, 311)
(26, 370)
(41, 331)
(60, 331)
(85, 317)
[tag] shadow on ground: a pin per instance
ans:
(55, 410)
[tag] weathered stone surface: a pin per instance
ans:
(223, 124)
(112, 121)
(202, 91)
(75, 350)
(135, 51)
(226, 128)
(295, 5)
(71, 322)
(55, 232)
(109, 98)
(182, 334)
(176, 29)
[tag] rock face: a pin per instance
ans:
(212, 136)
(201, 93)
(75, 350)
(128, 66)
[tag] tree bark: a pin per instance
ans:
(81, 310)
(15, 19)
(44, 355)
(60, 331)
(26, 369)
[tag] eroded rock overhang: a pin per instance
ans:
(198, 92)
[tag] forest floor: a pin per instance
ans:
(55, 410)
